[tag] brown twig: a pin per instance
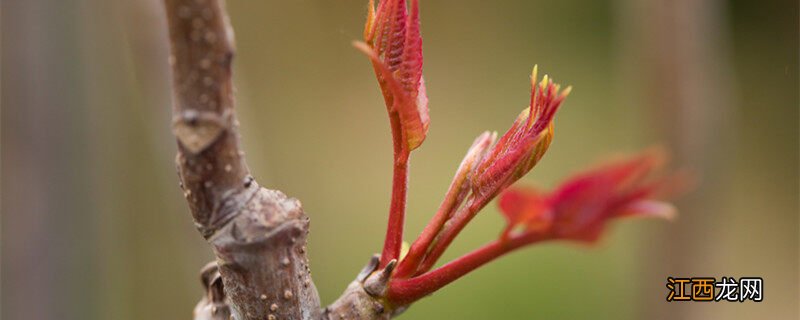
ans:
(258, 235)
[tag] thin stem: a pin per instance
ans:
(453, 198)
(451, 230)
(393, 243)
(406, 291)
(419, 248)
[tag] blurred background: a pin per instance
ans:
(94, 225)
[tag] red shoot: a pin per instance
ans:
(517, 151)
(526, 141)
(578, 210)
(394, 45)
(453, 200)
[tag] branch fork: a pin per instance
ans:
(259, 235)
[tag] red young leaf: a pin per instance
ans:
(394, 45)
(524, 144)
(580, 207)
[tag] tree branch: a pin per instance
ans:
(258, 235)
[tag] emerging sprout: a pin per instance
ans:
(577, 210)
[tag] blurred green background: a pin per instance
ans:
(94, 225)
